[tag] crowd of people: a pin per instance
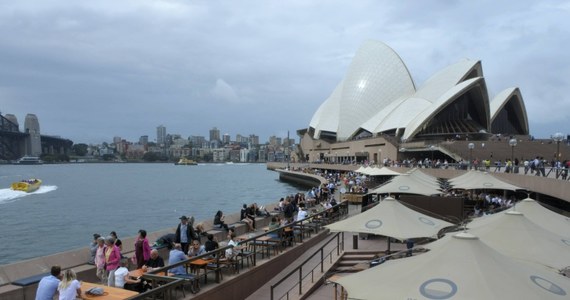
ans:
(112, 266)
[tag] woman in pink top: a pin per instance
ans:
(112, 259)
(142, 249)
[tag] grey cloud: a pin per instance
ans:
(123, 67)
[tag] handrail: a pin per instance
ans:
(339, 236)
(154, 274)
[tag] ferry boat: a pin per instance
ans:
(27, 185)
(29, 160)
(186, 162)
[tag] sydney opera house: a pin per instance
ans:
(379, 99)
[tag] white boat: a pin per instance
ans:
(29, 160)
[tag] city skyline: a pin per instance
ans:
(92, 71)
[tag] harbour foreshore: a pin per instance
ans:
(77, 259)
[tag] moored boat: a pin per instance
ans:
(186, 162)
(29, 160)
(27, 185)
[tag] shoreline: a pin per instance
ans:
(77, 258)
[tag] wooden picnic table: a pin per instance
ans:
(110, 293)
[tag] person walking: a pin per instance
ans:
(184, 234)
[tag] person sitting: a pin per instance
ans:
(48, 285)
(302, 214)
(69, 288)
(219, 220)
(274, 224)
(123, 280)
(233, 251)
(250, 214)
(176, 255)
(245, 219)
(211, 244)
(200, 230)
(196, 249)
(154, 262)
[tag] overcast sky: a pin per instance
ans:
(92, 70)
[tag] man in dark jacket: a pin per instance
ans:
(185, 234)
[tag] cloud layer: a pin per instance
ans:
(92, 70)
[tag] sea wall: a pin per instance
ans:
(305, 179)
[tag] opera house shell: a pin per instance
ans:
(378, 96)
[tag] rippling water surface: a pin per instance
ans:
(77, 200)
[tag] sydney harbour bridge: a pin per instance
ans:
(15, 143)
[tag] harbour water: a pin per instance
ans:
(77, 200)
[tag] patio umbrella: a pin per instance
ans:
(535, 212)
(475, 180)
(393, 219)
(384, 171)
(543, 216)
(407, 184)
(465, 268)
(514, 235)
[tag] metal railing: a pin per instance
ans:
(302, 225)
(339, 237)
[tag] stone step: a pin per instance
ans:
(357, 257)
(352, 262)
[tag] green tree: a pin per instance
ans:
(108, 157)
(80, 149)
(150, 157)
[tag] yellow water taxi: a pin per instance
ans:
(186, 162)
(27, 185)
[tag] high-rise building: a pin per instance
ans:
(254, 139)
(226, 139)
(239, 138)
(160, 135)
(197, 141)
(214, 134)
(273, 141)
(143, 140)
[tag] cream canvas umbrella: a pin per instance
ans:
(543, 216)
(406, 184)
(538, 214)
(465, 268)
(514, 235)
(425, 178)
(475, 180)
(393, 219)
(383, 172)
(360, 169)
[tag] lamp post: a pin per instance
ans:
(471, 146)
(512, 143)
(557, 137)
(336, 157)
(379, 157)
(431, 148)
(347, 158)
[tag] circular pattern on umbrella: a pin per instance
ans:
(373, 224)
(488, 184)
(547, 285)
(403, 188)
(438, 288)
(426, 221)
